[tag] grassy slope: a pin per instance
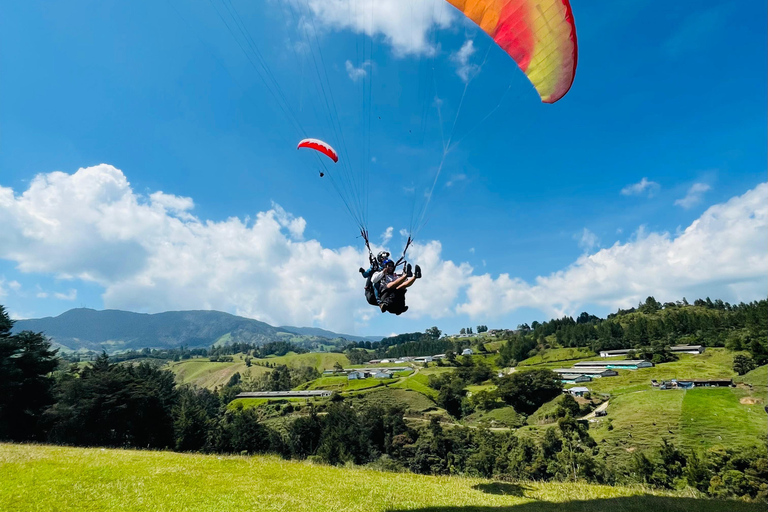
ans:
(418, 382)
(77, 479)
(413, 400)
(714, 363)
(557, 355)
(203, 373)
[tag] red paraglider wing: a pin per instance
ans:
(320, 146)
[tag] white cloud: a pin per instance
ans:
(92, 226)
(70, 295)
(644, 186)
(386, 236)
(693, 196)
(587, 240)
(464, 68)
(724, 254)
(404, 24)
(472, 250)
(42, 295)
(14, 285)
(455, 179)
(357, 73)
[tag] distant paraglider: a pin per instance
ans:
(322, 147)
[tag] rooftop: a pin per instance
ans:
(625, 362)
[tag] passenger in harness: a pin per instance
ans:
(371, 291)
(392, 287)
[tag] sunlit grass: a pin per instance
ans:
(36, 478)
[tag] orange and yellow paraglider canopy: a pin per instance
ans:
(538, 34)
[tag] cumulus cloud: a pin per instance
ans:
(357, 73)
(70, 295)
(151, 253)
(693, 196)
(723, 253)
(464, 68)
(404, 24)
(587, 240)
(455, 179)
(644, 186)
(387, 235)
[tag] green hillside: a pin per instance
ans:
(204, 373)
(63, 479)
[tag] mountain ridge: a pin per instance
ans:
(115, 330)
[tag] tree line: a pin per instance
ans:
(652, 328)
(104, 403)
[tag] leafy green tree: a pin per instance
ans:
(115, 405)
(26, 360)
(433, 332)
(527, 391)
(743, 364)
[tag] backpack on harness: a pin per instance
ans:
(370, 295)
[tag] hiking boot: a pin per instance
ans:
(383, 308)
(417, 272)
(409, 270)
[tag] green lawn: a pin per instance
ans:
(62, 479)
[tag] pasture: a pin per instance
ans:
(67, 479)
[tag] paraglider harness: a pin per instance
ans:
(370, 295)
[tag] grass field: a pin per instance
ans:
(342, 383)
(693, 419)
(557, 355)
(206, 374)
(37, 478)
(501, 417)
(418, 382)
(715, 363)
(390, 396)
(717, 416)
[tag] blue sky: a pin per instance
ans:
(647, 178)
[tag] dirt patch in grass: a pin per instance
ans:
(750, 400)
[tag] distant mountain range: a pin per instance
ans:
(114, 330)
